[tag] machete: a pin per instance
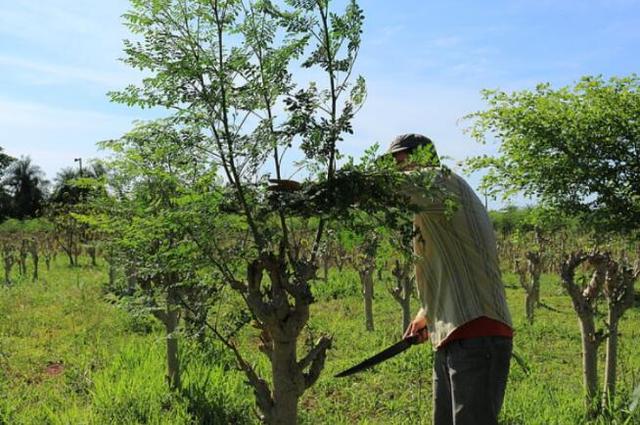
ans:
(385, 354)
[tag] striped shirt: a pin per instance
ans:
(457, 273)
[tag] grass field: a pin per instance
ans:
(70, 356)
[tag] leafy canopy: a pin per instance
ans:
(577, 148)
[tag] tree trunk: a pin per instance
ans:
(530, 306)
(22, 263)
(33, 250)
(70, 256)
(590, 364)
(91, 250)
(132, 280)
(325, 267)
(528, 286)
(402, 291)
(583, 300)
(173, 364)
(619, 289)
(366, 278)
(281, 316)
(169, 317)
(36, 260)
(8, 265)
(112, 275)
(611, 361)
(285, 388)
(407, 286)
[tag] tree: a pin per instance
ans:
(26, 186)
(72, 191)
(5, 199)
(141, 218)
(224, 68)
(68, 187)
(5, 160)
(576, 148)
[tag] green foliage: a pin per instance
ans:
(73, 186)
(513, 219)
(114, 375)
(25, 188)
(340, 285)
(103, 371)
(574, 148)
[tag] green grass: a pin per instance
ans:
(68, 356)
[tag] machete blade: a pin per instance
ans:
(385, 354)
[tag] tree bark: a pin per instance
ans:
(70, 256)
(529, 288)
(112, 274)
(8, 265)
(620, 293)
(33, 250)
(583, 300)
(534, 265)
(169, 317)
(402, 291)
(287, 386)
(91, 250)
(22, 260)
(611, 360)
(589, 363)
(281, 313)
(366, 278)
(173, 362)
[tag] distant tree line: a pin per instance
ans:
(25, 193)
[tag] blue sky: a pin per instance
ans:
(425, 63)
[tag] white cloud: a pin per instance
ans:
(53, 136)
(51, 21)
(41, 73)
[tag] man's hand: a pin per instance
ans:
(281, 185)
(418, 327)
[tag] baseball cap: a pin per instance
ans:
(408, 141)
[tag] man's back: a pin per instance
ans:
(457, 271)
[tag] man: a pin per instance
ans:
(462, 297)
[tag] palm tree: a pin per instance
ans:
(67, 190)
(5, 198)
(5, 159)
(26, 186)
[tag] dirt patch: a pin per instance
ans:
(54, 369)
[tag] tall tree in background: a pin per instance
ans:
(152, 182)
(26, 186)
(68, 187)
(71, 194)
(5, 159)
(577, 150)
(5, 198)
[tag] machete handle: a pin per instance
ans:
(413, 339)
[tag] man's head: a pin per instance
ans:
(406, 144)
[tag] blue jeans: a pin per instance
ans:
(469, 380)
